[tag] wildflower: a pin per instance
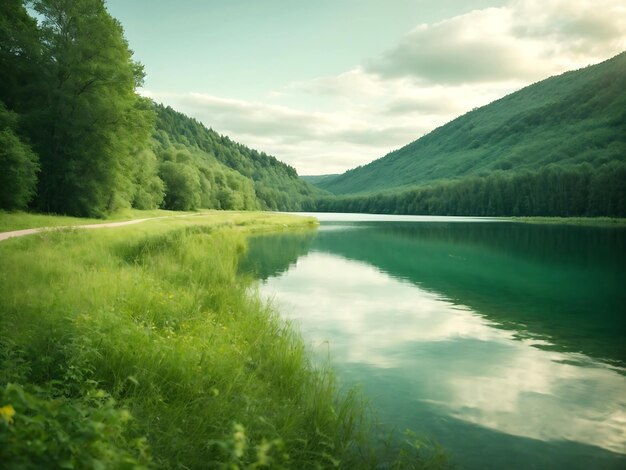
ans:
(7, 412)
(125, 416)
(262, 453)
(239, 437)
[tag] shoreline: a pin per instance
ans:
(149, 328)
(579, 221)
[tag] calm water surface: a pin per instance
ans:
(505, 342)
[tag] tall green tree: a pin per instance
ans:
(20, 57)
(20, 79)
(183, 186)
(91, 124)
(149, 188)
(18, 165)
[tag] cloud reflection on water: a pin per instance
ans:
(451, 356)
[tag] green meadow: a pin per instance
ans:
(141, 347)
(18, 220)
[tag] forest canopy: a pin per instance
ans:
(564, 191)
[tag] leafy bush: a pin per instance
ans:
(90, 432)
(19, 165)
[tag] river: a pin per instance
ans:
(502, 341)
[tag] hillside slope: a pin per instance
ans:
(275, 184)
(574, 118)
(317, 179)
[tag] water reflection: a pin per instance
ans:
(561, 284)
(477, 343)
(481, 374)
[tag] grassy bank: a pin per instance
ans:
(140, 346)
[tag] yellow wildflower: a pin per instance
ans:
(7, 412)
(239, 436)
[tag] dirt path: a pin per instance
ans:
(30, 231)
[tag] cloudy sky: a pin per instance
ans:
(327, 85)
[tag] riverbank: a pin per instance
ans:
(140, 346)
(588, 221)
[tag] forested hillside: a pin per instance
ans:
(317, 179)
(76, 138)
(580, 190)
(557, 147)
(578, 117)
(275, 184)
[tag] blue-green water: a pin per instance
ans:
(504, 342)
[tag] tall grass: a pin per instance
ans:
(141, 347)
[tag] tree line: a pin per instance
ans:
(578, 190)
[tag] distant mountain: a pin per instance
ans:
(575, 118)
(241, 174)
(317, 179)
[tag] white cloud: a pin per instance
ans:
(435, 73)
(311, 141)
(475, 47)
(355, 82)
(244, 117)
(598, 26)
(524, 40)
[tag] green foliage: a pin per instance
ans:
(72, 80)
(276, 185)
(569, 120)
(552, 191)
(183, 186)
(61, 432)
(194, 179)
(21, 72)
(82, 125)
(317, 179)
(19, 171)
(149, 188)
(19, 76)
(18, 165)
(236, 450)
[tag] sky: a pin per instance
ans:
(329, 85)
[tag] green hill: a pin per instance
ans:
(575, 118)
(239, 172)
(319, 179)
